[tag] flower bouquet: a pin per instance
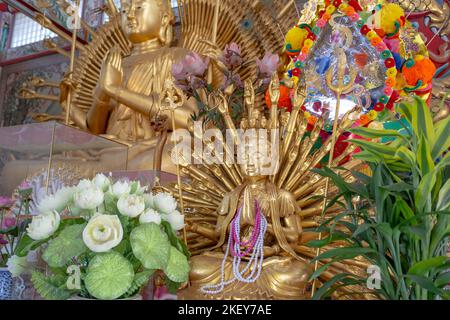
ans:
(104, 240)
(12, 229)
(191, 77)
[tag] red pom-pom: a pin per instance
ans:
(365, 29)
(296, 72)
(378, 107)
(337, 3)
(389, 63)
(355, 5)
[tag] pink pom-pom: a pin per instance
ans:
(381, 46)
(388, 91)
(354, 17)
(302, 57)
(321, 23)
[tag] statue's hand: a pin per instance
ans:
(274, 89)
(213, 52)
(299, 96)
(111, 75)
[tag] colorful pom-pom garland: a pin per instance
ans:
(348, 8)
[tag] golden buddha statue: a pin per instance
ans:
(127, 96)
(282, 273)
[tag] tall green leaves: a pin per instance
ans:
(401, 221)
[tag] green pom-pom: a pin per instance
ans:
(150, 245)
(109, 276)
(68, 244)
(178, 267)
(410, 63)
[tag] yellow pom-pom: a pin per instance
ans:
(391, 72)
(388, 15)
(372, 114)
(307, 114)
(295, 80)
(308, 43)
(295, 38)
(343, 6)
(371, 34)
(330, 9)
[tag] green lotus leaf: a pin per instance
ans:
(109, 276)
(150, 245)
(178, 267)
(68, 244)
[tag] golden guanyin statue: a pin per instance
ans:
(248, 221)
(120, 76)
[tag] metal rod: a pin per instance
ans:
(72, 62)
(50, 159)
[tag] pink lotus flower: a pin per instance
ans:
(231, 56)
(268, 65)
(189, 72)
(6, 202)
(24, 185)
(194, 65)
(8, 222)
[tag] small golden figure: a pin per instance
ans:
(282, 273)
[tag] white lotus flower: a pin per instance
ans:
(164, 202)
(120, 188)
(150, 216)
(89, 198)
(176, 220)
(139, 189)
(131, 205)
(102, 182)
(43, 225)
(84, 184)
(103, 232)
(17, 265)
(149, 202)
(57, 201)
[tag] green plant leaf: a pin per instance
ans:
(140, 280)
(375, 133)
(426, 284)
(439, 232)
(422, 196)
(150, 245)
(422, 267)
(109, 276)
(443, 202)
(177, 269)
(326, 289)
(174, 240)
(50, 288)
(26, 244)
(68, 244)
(362, 228)
(344, 253)
(442, 280)
(406, 155)
(442, 134)
(381, 150)
(407, 110)
(422, 122)
(424, 159)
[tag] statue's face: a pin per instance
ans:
(141, 19)
(257, 161)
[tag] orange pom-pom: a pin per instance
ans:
(312, 120)
(285, 99)
(423, 69)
